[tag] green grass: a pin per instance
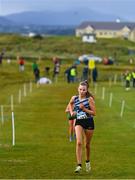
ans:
(42, 148)
(67, 48)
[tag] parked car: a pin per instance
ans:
(88, 57)
(108, 61)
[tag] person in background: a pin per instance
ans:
(128, 79)
(71, 124)
(94, 75)
(133, 78)
(73, 73)
(36, 71)
(37, 74)
(83, 106)
(67, 73)
(56, 69)
(34, 66)
(21, 64)
(85, 73)
(1, 57)
(47, 70)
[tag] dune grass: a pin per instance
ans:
(42, 147)
(64, 47)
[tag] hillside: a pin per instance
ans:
(68, 17)
(65, 47)
(5, 21)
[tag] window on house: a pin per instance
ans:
(101, 33)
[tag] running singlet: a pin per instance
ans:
(80, 113)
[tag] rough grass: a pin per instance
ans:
(42, 148)
(64, 47)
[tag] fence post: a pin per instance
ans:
(24, 88)
(103, 93)
(110, 100)
(30, 86)
(115, 78)
(19, 96)
(12, 103)
(122, 108)
(13, 129)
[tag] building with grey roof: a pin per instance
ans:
(107, 29)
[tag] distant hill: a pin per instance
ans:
(5, 21)
(71, 17)
(50, 22)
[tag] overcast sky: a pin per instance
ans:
(121, 8)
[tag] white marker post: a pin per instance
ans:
(122, 108)
(19, 96)
(110, 100)
(115, 78)
(103, 93)
(2, 114)
(24, 90)
(110, 82)
(13, 129)
(12, 103)
(30, 86)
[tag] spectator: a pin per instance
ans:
(36, 71)
(21, 64)
(34, 66)
(133, 78)
(85, 73)
(1, 57)
(37, 74)
(73, 73)
(94, 75)
(67, 73)
(56, 71)
(128, 79)
(47, 69)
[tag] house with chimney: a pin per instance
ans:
(107, 29)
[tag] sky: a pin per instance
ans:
(122, 8)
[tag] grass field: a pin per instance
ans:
(42, 147)
(65, 47)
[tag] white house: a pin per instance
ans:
(107, 30)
